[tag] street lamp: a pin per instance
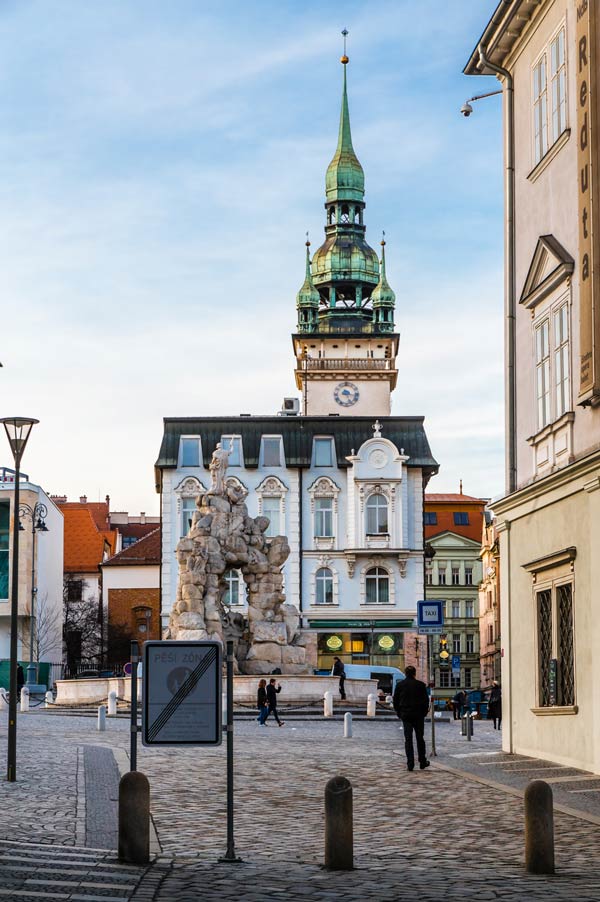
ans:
(17, 431)
(37, 515)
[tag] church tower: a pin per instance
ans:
(345, 345)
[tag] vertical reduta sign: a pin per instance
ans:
(588, 177)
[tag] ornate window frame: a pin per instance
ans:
(324, 487)
(389, 490)
(189, 487)
(273, 487)
(323, 561)
(384, 565)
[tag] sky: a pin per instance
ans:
(161, 164)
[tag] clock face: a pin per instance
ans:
(346, 394)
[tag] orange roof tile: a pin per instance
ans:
(85, 542)
(145, 551)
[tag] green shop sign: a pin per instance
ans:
(360, 624)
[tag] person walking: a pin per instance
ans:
(20, 678)
(272, 693)
(338, 671)
(261, 702)
(411, 703)
(495, 704)
(457, 705)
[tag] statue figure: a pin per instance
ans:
(218, 469)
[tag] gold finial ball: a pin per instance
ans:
(382, 242)
(307, 243)
(344, 59)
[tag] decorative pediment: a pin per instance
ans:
(324, 488)
(190, 487)
(550, 266)
(448, 540)
(271, 486)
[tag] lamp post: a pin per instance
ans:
(17, 431)
(37, 515)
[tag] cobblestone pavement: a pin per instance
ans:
(433, 835)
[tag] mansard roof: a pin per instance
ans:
(298, 433)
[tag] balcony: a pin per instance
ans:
(346, 363)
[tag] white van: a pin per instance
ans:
(386, 677)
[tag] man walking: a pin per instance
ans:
(338, 671)
(411, 703)
(272, 693)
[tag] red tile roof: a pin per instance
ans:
(464, 499)
(135, 530)
(144, 552)
(445, 506)
(85, 543)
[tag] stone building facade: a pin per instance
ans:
(490, 640)
(547, 56)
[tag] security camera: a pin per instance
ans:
(466, 109)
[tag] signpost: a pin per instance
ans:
(430, 620)
(181, 693)
(456, 665)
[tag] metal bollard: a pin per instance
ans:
(371, 704)
(24, 700)
(539, 828)
(49, 699)
(328, 704)
(347, 725)
(112, 704)
(134, 818)
(339, 843)
(102, 718)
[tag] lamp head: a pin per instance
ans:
(17, 431)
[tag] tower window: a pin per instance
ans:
(345, 214)
(331, 215)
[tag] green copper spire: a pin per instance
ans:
(345, 179)
(308, 299)
(383, 298)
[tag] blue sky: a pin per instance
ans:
(161, 163)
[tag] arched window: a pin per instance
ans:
(378, 586)
(231, 596)
(324, 586)
(323, 517)
(331, 215)
(188, 508)
(345, 214)
(377, 515)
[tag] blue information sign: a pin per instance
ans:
(455, 665)
(430, 613)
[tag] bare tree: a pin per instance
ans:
(47, 629)
(81, 623)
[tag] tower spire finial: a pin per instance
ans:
(344, 60)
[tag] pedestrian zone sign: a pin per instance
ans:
(430, 614)
(181, 693)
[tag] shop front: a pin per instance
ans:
(372, 642)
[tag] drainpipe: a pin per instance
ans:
(300, 541)
(510, 271)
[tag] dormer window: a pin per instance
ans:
(189, 452)
(234, 442)
(323, 452)
(271, 451)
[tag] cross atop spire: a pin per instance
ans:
(344, 59)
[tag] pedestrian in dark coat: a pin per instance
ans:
(272, 693)
(338, 671)
(495, 704)
(411, 703)
(261, 702)
(20, 678)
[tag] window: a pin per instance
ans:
(442, 573)
(456, 644)
(4, 539)
(378, 586)
(428, 573)
(470, 643)
(542, 366)
(490, 634)
(561, 359)
(461, 518)
(455, 574)
(456, 608)
(271, 508)
(489, 599)
(558, 85)
(467, 677)
(540, 110)
(231, 596)
(469, 608)
(271, 451)
(143, 620)
(443, 679)
(74, 590)
(430, 518)
(323, 452)
(188, 508)
(377, 515)
(556, 665)
(455, 682)
(235, 443)
(190, 452)
(324, 517)
(468, 576)
(324, 586)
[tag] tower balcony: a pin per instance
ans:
(347, 363)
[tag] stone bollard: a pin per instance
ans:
(328, 704)
(24, 700)
(539, 828)
(3, 700)
(102, 718)
(112, 704)
(339, 844)
(49, 699)
(134, 818)
(347, 725)
(371, 704)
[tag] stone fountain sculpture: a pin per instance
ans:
(222, 537)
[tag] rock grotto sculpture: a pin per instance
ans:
(224, 537)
